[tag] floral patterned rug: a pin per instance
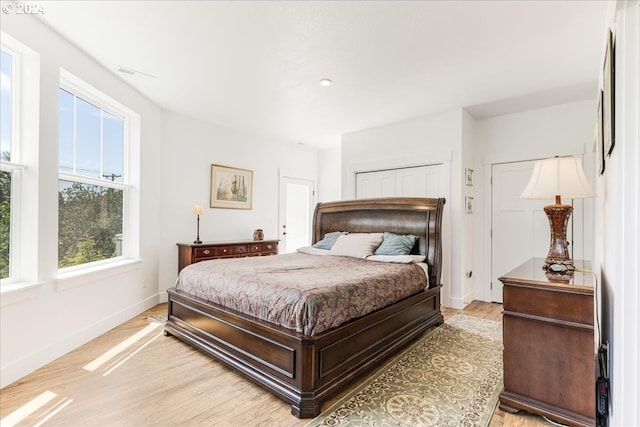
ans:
(450, 377)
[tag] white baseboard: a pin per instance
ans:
(457, 303)
(37, 359)
(163, 297)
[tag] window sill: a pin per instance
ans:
(18, 292)
(73, 279)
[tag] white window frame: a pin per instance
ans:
(14, 167)
(130, 205)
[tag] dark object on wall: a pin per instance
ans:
(608, 88)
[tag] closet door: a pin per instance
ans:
(423, 181)
(375, 184)
(420, 181)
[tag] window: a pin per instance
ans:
(93, 182)
(6, 114)
(19, 132)
(9, 175)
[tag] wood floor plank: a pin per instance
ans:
(160, 381)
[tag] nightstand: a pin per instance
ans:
(549, 343)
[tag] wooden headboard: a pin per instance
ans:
(421, 217)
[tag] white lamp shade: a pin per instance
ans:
(197, 209)
(558, 176)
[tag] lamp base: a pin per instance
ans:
(197, 242)
(558, 265)
(558, 259)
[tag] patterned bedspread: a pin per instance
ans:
(307, 293)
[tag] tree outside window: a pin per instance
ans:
(92, 182)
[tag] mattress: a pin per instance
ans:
(306, 293)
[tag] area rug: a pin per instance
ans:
(450, 377)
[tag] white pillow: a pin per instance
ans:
(402, 259)
(310, 250)
(356, 245)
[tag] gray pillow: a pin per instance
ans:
(396, 244)
(329, 240)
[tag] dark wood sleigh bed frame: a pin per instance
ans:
(306, 370)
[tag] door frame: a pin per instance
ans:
(282, 181)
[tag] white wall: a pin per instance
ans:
(566, 129)
(41, 322)
(189, 148)
(425, 140)
(468, 220)
(618, 223)
(329, 174)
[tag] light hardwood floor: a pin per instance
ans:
(135, 376)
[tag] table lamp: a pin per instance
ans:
(558, 177)
(197, 210)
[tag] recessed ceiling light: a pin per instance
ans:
(325, 82)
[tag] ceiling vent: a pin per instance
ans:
(136, 73)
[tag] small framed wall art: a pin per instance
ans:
(468, 177)
(468, 204)
(231, 188)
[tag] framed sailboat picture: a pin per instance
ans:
(231, 188)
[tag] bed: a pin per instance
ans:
(304, 369)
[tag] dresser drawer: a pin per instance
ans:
(270, 248)
(564, 306)
(188, 253)
(232, 250)
(205, 253)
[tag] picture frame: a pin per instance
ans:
(600, 146)
(468, 177)
(608, 88)
(468, 204)
(231, 187)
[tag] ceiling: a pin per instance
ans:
(256, 65)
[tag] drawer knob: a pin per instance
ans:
(206, 252)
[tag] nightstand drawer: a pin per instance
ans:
(255, 247)
(564, 306)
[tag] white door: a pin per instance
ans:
(296, 208)
(520, 227)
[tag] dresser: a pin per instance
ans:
(189, 253)
(549, 343)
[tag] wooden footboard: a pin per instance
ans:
(302, 370)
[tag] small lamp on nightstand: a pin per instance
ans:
(197, 210)
(558, 177)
